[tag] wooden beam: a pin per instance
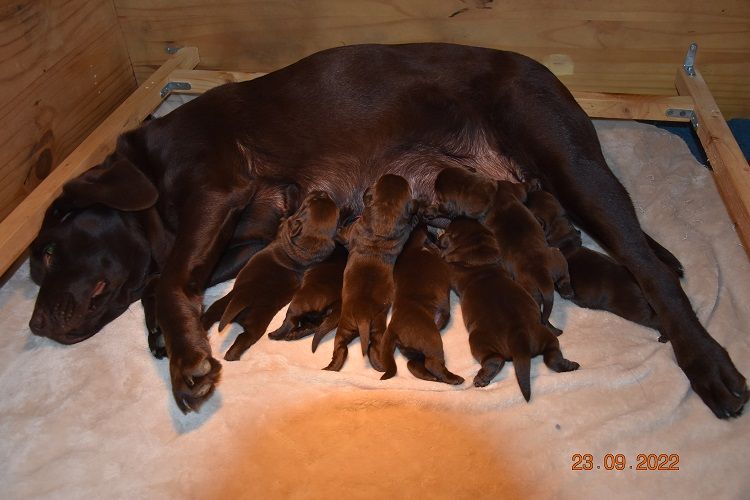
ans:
(21, 226)
(731, 169)
(596, 104)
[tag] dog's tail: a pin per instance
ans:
(522, 367)
(387, 349)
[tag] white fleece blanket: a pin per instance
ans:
(97, 420)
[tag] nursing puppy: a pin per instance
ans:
(374, 242)
(271, 277)
(503, 320)
(523, 248)
(316, 307)
(598, 281)
(421, 308)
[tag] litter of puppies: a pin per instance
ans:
(507, 248)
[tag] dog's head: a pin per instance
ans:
(469, 243)
(312, 228)
(461, 193)
(91, 256)
(389, 207)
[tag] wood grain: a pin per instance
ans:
(22, 225)
(622, 47)
(63, 68)
(731, 169)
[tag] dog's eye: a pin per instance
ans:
(49, 251)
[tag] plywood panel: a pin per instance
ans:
(596, 46)
(63, 68)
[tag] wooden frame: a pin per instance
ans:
(694, 104)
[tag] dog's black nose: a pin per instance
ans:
(38, 323)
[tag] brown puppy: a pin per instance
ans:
(268, 281)
(421, 308)
(503, 320)
(374, 242)
(524, 251)
(316, 307)
(598, 281)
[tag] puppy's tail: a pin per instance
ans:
(387, 348)
(522, 366)
(363, 326)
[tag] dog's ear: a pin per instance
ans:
(116, 183)
(367, 197)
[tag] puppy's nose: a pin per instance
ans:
(38, 323)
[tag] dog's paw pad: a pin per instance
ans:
(193, 385)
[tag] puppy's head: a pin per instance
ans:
(461, 193)
(312, 228)
(469, 243)
(389, 207)
(513, 191)
(545, 208)
(91, 256)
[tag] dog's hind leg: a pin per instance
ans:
(665, 256)
(344, 336)
(491, 366)
(569, 159)
(254, 324)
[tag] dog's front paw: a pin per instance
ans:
(715, 379)
(193, 381)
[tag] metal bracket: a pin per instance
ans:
(684, 113)
(169, 87)
(171, 49)
(689, 64)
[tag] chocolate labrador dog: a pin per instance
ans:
(374, 242)
(502, 318)
(421, 308)
(405, 109)
(598, 281)
(268, 281)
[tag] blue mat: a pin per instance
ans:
(740, 127)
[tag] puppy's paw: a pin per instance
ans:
(156, 343)
(565, 289)
(715, 379)
(193, 381)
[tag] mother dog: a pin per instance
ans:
(171, 200)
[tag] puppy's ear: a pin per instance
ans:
(367, 197)
(343, 233)
(294, 225)
(291, 198)
(116, 183)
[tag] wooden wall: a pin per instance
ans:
(63, 68)
(617, 46)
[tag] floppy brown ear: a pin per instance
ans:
(116, 183)
(367, 197)
(295, 227)
(291, 195)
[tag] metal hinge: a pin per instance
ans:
(689, 64)
(165, 90)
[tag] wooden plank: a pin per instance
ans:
(622, 47)
(63, 68)
(731, 169)
(596, 104)
(21, 226)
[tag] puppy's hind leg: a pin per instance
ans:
(560, 274)
(553, 356)
(254, 324)
(344, 336)
(491, 366)
(328, 324)
(437, 367)
(215, 311)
